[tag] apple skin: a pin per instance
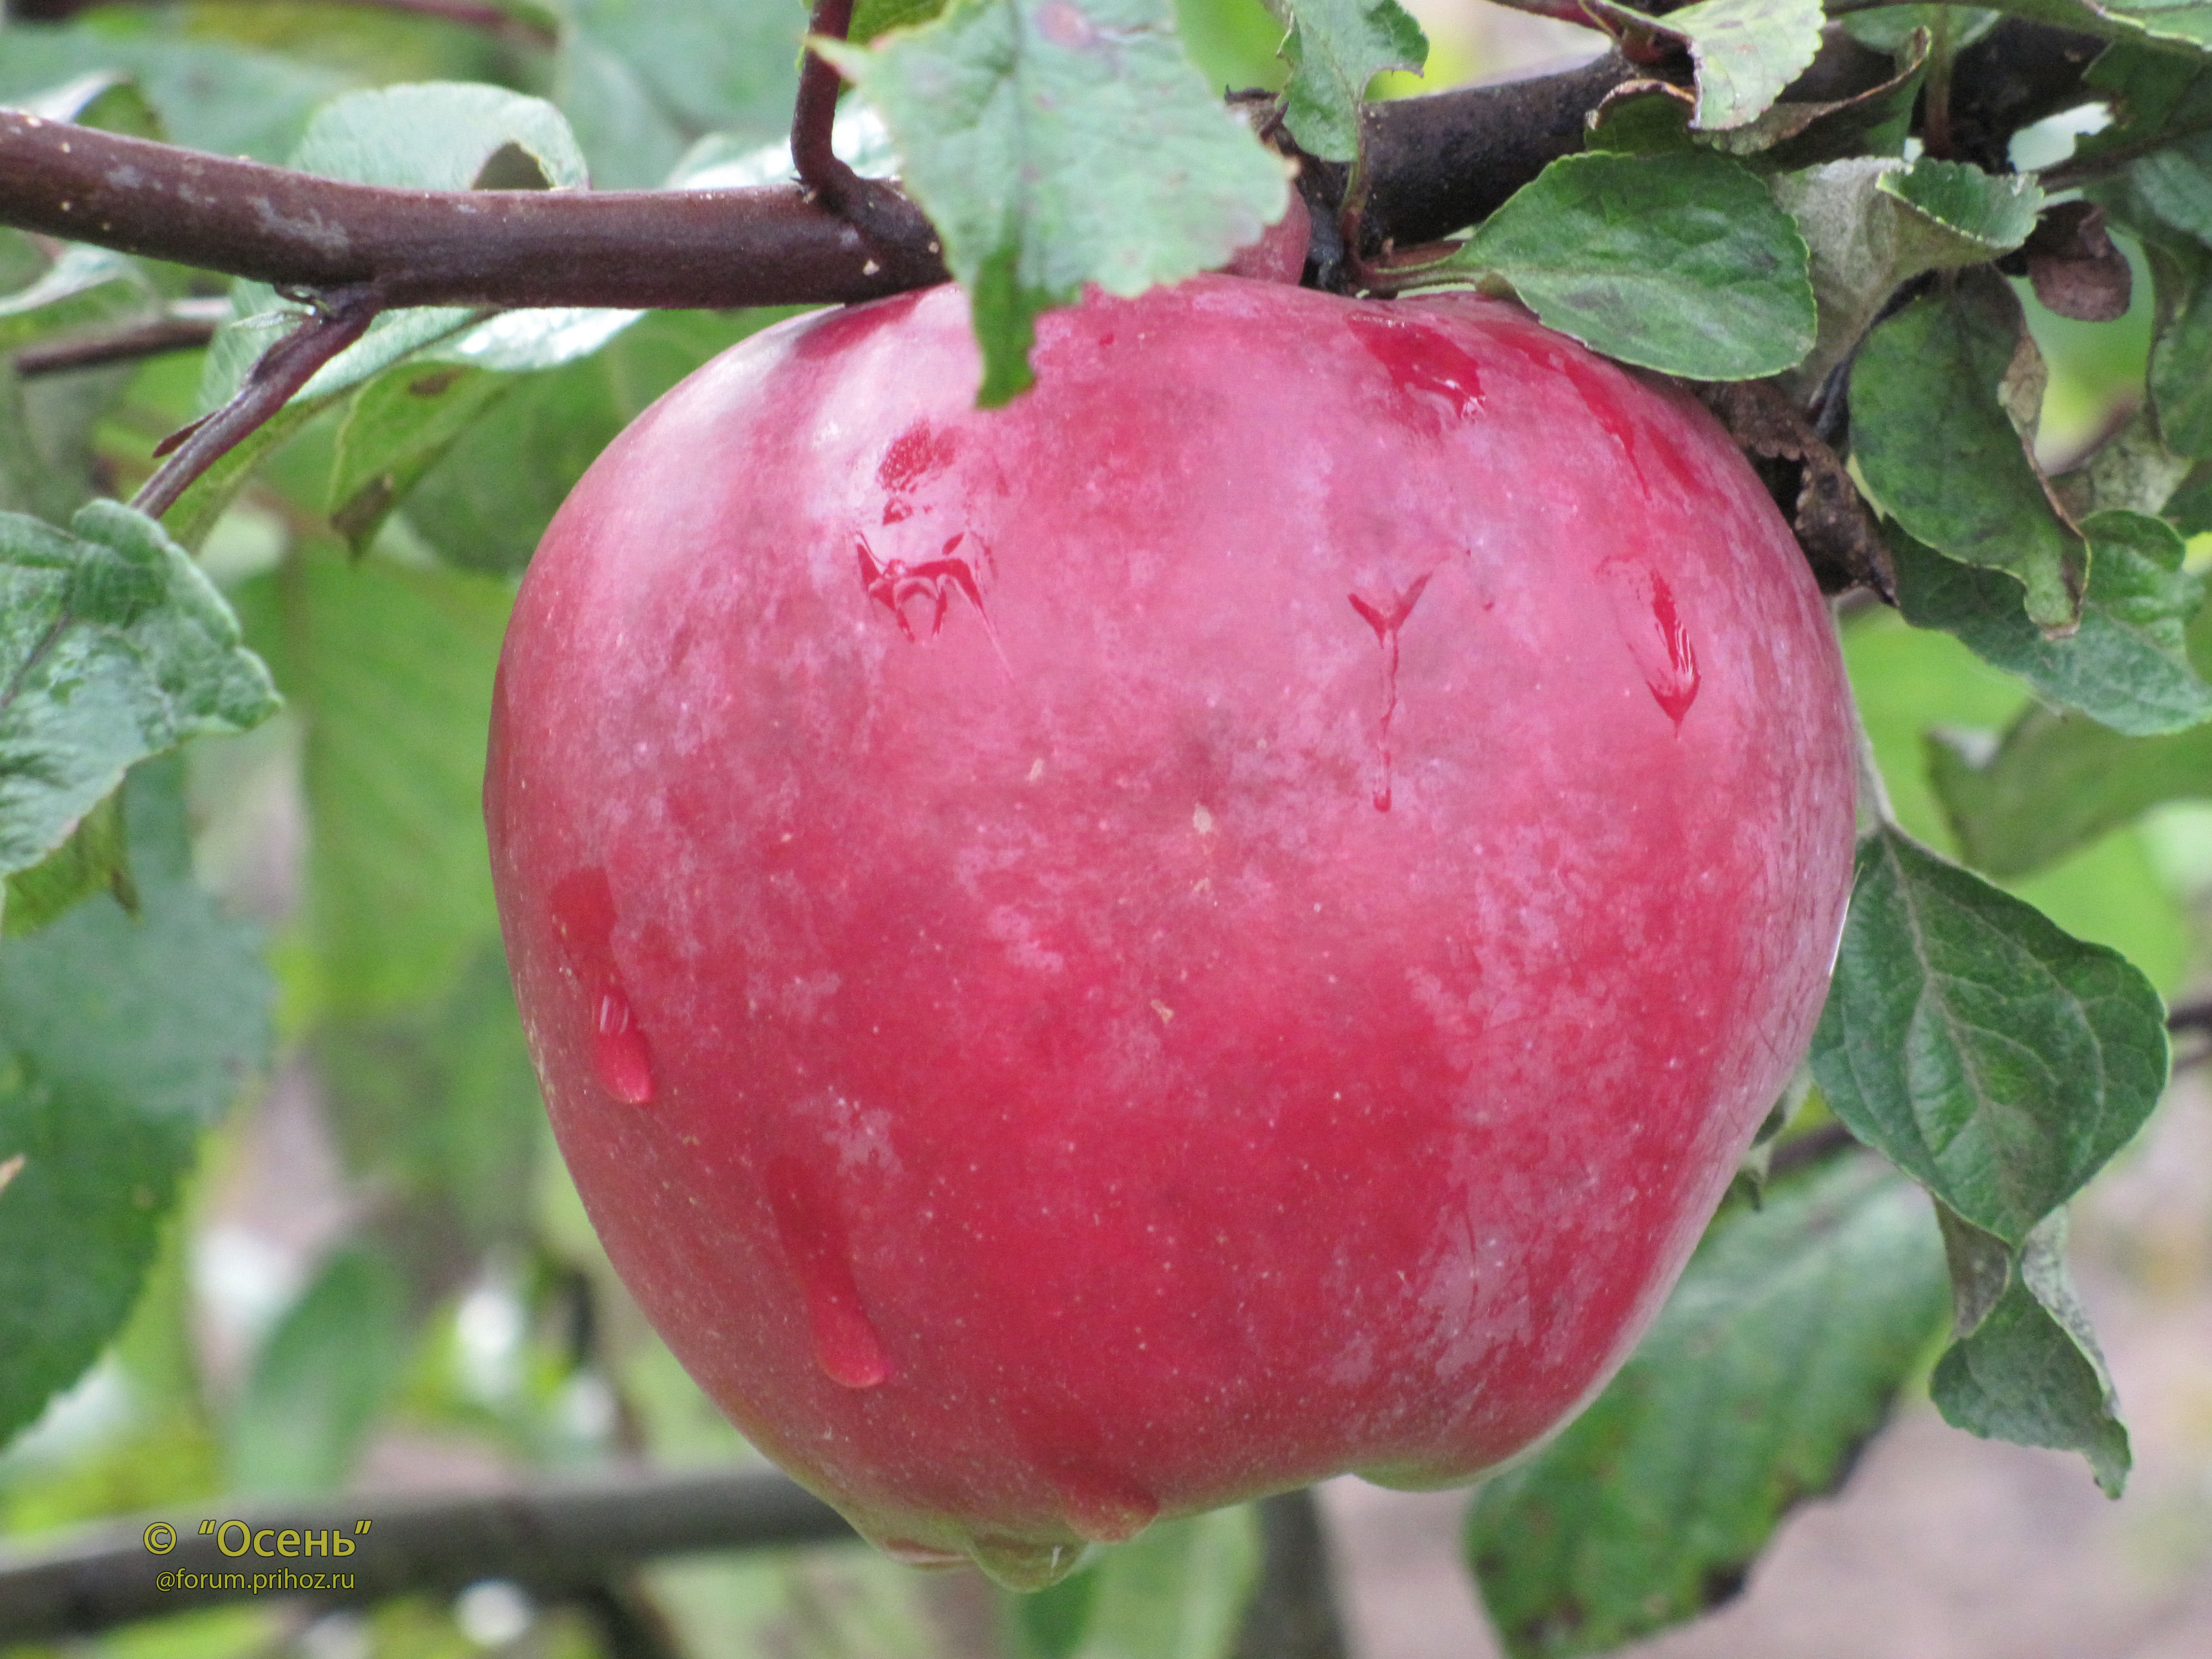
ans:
(1227, 922)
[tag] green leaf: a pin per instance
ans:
(318, 1381)
(873, 17)
(642, 79)
(1678, 263)
(386, 137)
(2057, 782)
(454, 470)
(1178, 1591)
(95, 858)
(113, 647)
(84, 285)
(1014, 120)
(49, 466)
(1745, 51)
(1890, 28)
(121, 1038)
(1334, 49)
(441, 135)
(392, 668)
(2181, 357)
(396, 427)
(2127, 665)
(2184, 22)
(1777, 1356)
(1933, 436)
(2025, 1367)
(223, 98)
(435, 1107)
(1992, 1058)
(1873, 123)
(1872, 223)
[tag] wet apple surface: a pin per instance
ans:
(1226, 922)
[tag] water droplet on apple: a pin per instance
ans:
(846, 1345)
(1020, 1564)
(912, 459)
(1650, 624)
(1100, 1499)
(1107, 1511)
(619, 1056)
(1422, 362)
(584, 925)
(1387, 620)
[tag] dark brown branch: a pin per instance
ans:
(885, 217)
(1435, 164)
(337, 321)
(766, 245)
(2014, 76)
(176, 330)
(814, 113)
(557, 1542)
(2190, 1017)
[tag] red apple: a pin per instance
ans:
(1226, 922)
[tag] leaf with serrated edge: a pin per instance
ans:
(1778, 1353)
(1013, 119)
(122, 1037)
(1678, 263)
(1872, 222)
(2127, 665)
(1745, 51)
(1932, 437)
(1994, 1058)
(2027, 1368)
(1335, 48)
(113, 647)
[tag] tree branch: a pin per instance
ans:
(883, 214)
(185, 326)
(336, 323)
(1436, 163)
(763, 245)
(559, 1541)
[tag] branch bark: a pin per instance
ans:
(558, 1541)
(1436, 163)
(763, 245)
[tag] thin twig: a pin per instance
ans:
(814, 112)
(337, 321)
(178, 329)
(1815, 1145)
(556, 1540)
(881, 213)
